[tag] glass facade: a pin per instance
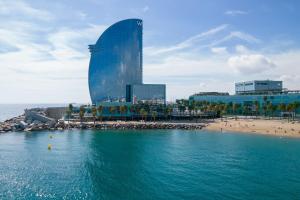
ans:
(154, 93)
(275, 99)
(257, 86)
(116, 61)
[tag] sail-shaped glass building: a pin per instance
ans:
(116, 62)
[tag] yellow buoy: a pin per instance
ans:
(49, 146)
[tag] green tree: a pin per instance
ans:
(245, 109)
(69, 112)
(169, 111)
(100, 111)
(296, 106)
(256, 107)
(282, 108)
(235, 108)
(70, 107)
(181, 108)
(133, 110)
(112, 110)
(154, 115)
(143, 113)
(81, 113)
(271, 109)
(123, 110)
(230, 107)
(290, 108)
(224, 109)
(94, 113)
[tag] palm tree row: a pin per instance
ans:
(192, 108)
(253, 108)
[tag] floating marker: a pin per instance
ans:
(49, 146)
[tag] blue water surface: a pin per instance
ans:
(157, 164)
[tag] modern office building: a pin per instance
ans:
(151, 93)
(254, 87)
(116, 65)
(271, 93)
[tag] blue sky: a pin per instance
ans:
(191, 45)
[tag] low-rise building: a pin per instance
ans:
(252, 94)
(258, 86)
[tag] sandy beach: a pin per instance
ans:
(258, 126)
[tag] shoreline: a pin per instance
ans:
(18, 124)
(274, 127)
(281, 128)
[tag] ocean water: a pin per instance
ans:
(8, 111)
(153, 164)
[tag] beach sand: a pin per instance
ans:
(258, 126)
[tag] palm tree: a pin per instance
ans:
(69, 112)
(100, 111)
(112, 110)
(165, 112)
(296, 106)
(143, 113)
(81, 113)
(191, 107)
(290, 108)
(70, 107)
(181, 108)
(230, 107)
(94, 113)
(132, 111)
(270, 108)
(224, 109)
(154, 115)
(256, 104)
(265, 105)
(273, 109)
(123, 110)
(170, 111)
(235, 108)
(245, 109)
(282, 108)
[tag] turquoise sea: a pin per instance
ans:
(156, 164)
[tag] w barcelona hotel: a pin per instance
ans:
(116, 67)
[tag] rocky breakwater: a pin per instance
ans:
(32, 120)
(36, 120)
(135, 125)
(20, 124)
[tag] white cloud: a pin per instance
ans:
(288, 68)
(51, 63)
(241, 35)
(241, 49)
(146, 8)
(46, 69)
(208, 39)
(250, 64)
(68, 43)
(219, 50)
(186, 43)
(235, 12)
(20, 8)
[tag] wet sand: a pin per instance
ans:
(257, 126)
